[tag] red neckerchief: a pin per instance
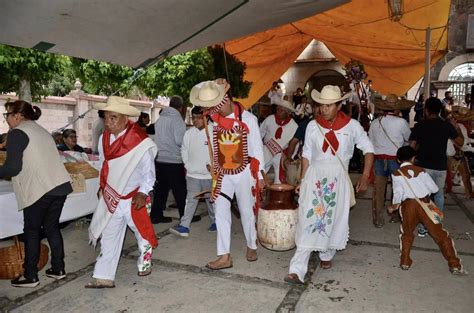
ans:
(280, 123)
(340, 121)
(132, 137)
(228, 122)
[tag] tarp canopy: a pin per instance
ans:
(393, 52)
(134, 32)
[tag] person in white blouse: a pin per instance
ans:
(412, 187)
(388, 132)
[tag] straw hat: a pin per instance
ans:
(462, 114)
(391, 102)
(207, 94)
(118, 105)
(285, 104)
(329, 94)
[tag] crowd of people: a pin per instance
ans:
(227, 154)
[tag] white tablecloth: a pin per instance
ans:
(76, 205)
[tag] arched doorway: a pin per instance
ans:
(462, 80)
(326, 77)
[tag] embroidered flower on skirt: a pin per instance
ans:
(322, 206)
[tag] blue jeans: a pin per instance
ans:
(439, 178)
(385, 167)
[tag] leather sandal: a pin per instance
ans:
(217, 265)
(325, 265)
(251, 255)
(97, 283)
(293, 279)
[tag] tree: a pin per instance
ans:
(236, 69)
(176, 75)
(102, 78)
(28, 71)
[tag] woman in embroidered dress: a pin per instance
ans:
(325, 192)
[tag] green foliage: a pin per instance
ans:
(176, 75)
(236, 69)
(102, 78)
(37, 67)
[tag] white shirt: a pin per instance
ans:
(395, 127)
(144, 174)
(275, 95)
(267, 132)
(348, 136)
(423, 185)
(195, 153)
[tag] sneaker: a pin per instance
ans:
(422, 232)
(25, 282)
(161, 219)
(180, 231)
(55, 274)
(212, 228)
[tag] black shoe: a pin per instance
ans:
(163, 219)
(25, 282)
(55, 274)
(173, 205)
(196, 218)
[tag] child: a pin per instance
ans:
(412, 187)
(195, 154)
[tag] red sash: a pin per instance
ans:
(280, 124)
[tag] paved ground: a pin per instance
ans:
(365, 277)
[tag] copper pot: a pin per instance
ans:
(280, 197)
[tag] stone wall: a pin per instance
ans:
(57, 112)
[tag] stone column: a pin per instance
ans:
(81, 126)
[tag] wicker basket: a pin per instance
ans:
(83, 168)
(12, 257)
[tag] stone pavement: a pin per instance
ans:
(365, 276)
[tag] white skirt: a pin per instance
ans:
(323, 221)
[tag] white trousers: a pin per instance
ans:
(112, 241)
(299, 262)
(275, 162)
(240, 184)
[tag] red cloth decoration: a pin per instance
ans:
(132, 137)
(254, 169)
(339, 122)
(280, 123)
(228, 123)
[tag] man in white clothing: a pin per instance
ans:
(195, 154)
(275, 94)
(326, 191)
(236, 166)
(388, 132)
(277, 131)
(127, 176)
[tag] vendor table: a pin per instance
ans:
(77, 205)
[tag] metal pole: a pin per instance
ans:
(427, 79)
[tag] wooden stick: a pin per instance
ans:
(209, 149)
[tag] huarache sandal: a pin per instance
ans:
(251, 255)
(325, 265)
(293, 279)
(100, 284)
(219, 265)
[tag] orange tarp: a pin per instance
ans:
(393, 52)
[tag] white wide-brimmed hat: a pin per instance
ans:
(285, 104)
(207, 94)
(329, 94)
(391, 102)
(117, 105)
